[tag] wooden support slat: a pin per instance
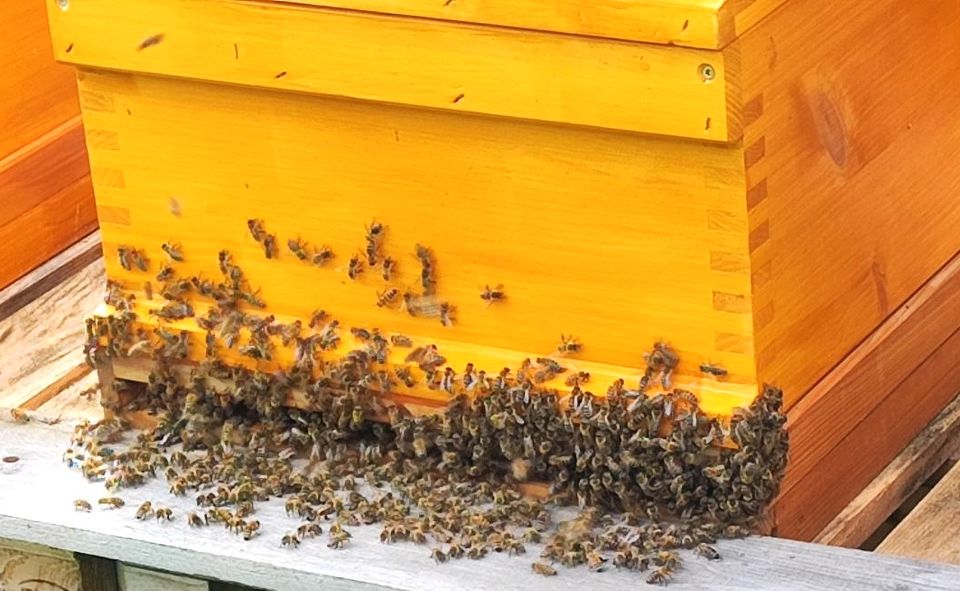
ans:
(928, 451)
(96, 573)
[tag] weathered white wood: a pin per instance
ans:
(36, 505)
(30, 566)
(133, 578)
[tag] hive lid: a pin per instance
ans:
(709, 24)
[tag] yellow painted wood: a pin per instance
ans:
(616, 238)
(691, 23)
(419, 62)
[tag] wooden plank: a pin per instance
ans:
(931, 531)
(98, 574)
(57, 386)
(928, 451)
(690, 23)
(877, 375)
(835, 128)
(50, 274)
(36, 93)
(69, 406)
(25, 566)
(43, 341)
(812, 501)
(36, 504)
(446, 66)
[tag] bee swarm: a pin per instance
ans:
(650, 474)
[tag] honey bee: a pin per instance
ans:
(660, 576)
(399, 340)
(317, 318)
(145, 510)
(577, 379)
(338, 539)
(569, 344)
(427, 280)
(361, 334)
(194, 520)
(438, 555)
(404, 375)
(491, 295)
(323, 254)
(595, 561)
(250, 530)
(374, 238)
(428, 358)
(707, 551)
(165, 274)
(387, 269)
(270, 246)
(713, 369)
(290, 540)
(82, 505)
(355, 268)
(542, 568)
(132, 257)
(256, 229)
(309, 530)
(148, 289)
(662, 360)
(388, 297)
(298, 248)
(173, 250)
(111, 502)
(174, 311)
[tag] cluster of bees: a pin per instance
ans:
(650, 473)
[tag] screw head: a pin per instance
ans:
(707, 72)
(63, 4)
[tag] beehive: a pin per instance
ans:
(710, 173)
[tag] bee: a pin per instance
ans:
(338, 540)
(112, 502)
(438, 555)
(388, 297)
(707, 551)
(662, 360)
(404, 375)
(132, 257)
(123, 254)
(323, 254)
(595, 561)
(428, 358)
(317, 318)
(388, 268)
(425, 255)
(174, 311)
(491, 295)
(173, 250)
(290, 540)
(660, 576)
(194, 520)
(399, 340)
(256, 229)
(309, 530)
(712, 369)
(298, 248)
(250, 530)
(174, 290)
(329, 339)
(374, 238)
(446, 314)
(360, 334)
(270, 246)
(165, 274)
(577, 379)
(210, 342)
(82, 505)
(145, 510)
(542, 568)
(148, 289)
(569, 344)
(355, 268)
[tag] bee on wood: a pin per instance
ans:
(399, 340)
(290, 540)
(309, 530)
(298, 248)
(375, 233)
(577, 379)
(82, 505)
(145, 510)
(338, 540)
(387, 268)
(447, 314)
(403, 374)
(388, 297)
(194, 520)
(713, 369)
(569, 344)
(542, 568)
(148, 290)
(438, 555)
(174, 290)
(428, 358)
(329, 339)
(112, 502)
(317, 318)
(662, 360)
(256, 229)
(361, 334)
(323, 254)
(210, 342)
(173, 250)
(660, 576)
(165, 274)
(491, 295)
(707, 551)
(355, 267)
(427, 279)
(174, 311)
(270, 246)
(132, 257)
(250, 529)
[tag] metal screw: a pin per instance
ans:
(63, 4)
(707, 72)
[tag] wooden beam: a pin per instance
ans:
(97, 574)
(928, 451)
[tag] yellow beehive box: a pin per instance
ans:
(706, 172)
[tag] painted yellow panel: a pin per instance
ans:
(603, 235)
(440, 65)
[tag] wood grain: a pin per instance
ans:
(43, 341)
(443, 65)
(36, 504)
(854, 139)
(26, 567)
(98, 574)
(936, 444)
(931, 530)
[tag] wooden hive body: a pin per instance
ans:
(711, 173)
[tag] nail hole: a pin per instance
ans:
(707, 72)
(63, 4)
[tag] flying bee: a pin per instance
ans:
(173, 250)
(399, 340)
(298, 248)
(542, 568)
(713, 369)
(145, 510)
(323, 254)
(388, 297)
(388, 267)
(317, 318)
(491, 295)
(111, 502)
(355, 267)
(256, 229)
(82, 505)
(404, 375)
(148, 289)
(270, 246)
(569, 344)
